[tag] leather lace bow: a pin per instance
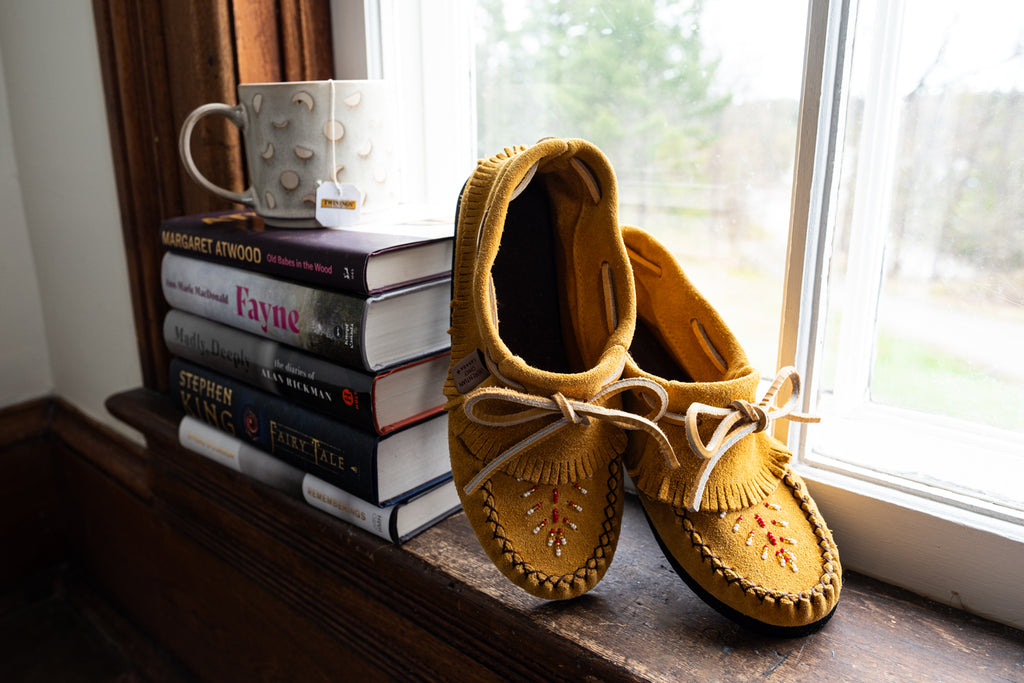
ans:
(572, 411)
(738, 420)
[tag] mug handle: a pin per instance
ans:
(234, 114)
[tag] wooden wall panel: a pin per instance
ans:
(115, 538)
(204, 612)
(31, 528)
(24, 421)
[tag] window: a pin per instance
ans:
(925, 299)
(895, 268)
(424, 49)
(696, 112)
(853, 164)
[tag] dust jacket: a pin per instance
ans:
(369, 258)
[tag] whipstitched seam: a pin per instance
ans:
(474, 200)
(748, 586)
(605, 540)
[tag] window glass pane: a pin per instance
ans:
(696, 111)
(951, 315)
(925, 320)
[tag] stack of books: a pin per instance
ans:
(314, 360)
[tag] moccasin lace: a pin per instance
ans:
(572, 412)
(738, 420)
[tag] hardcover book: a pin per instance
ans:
(395, 250)
(378, 469)
(379, 402)
(371, 333)
(396, 523)
(226, 450)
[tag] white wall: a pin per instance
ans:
(66, 308)
(24, 354)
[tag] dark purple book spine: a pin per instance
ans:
(240, 238)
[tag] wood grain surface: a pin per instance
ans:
(437, 609)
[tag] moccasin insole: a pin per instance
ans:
(652, 356)
(526, 282)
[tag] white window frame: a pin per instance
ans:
(425, 50)
(950, 550)
(942, 545)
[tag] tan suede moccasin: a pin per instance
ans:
(542, 315)
(733, 519)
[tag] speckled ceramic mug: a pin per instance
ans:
(298, 135)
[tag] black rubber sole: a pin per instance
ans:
(731, 613)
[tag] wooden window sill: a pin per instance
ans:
(436, 605)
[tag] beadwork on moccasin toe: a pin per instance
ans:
(542, 315)
(735, 522)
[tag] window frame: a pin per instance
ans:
(931, 541)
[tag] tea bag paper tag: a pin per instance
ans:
(337, 204)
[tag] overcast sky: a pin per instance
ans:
(976, 45)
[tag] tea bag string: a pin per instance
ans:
(334, 144)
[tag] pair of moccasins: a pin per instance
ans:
(580, 350)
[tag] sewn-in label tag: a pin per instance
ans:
(469, 372)
(337, 205)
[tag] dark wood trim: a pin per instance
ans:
(399, 612)
(142, 135)
(237, 581)
(306, 40)
(25, 421)
(29, 504)
(50, 418)
(258, 42)
(160, 60)
(122, 459)
(33, 517)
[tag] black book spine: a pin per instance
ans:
(336, 452)
(342, 393)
